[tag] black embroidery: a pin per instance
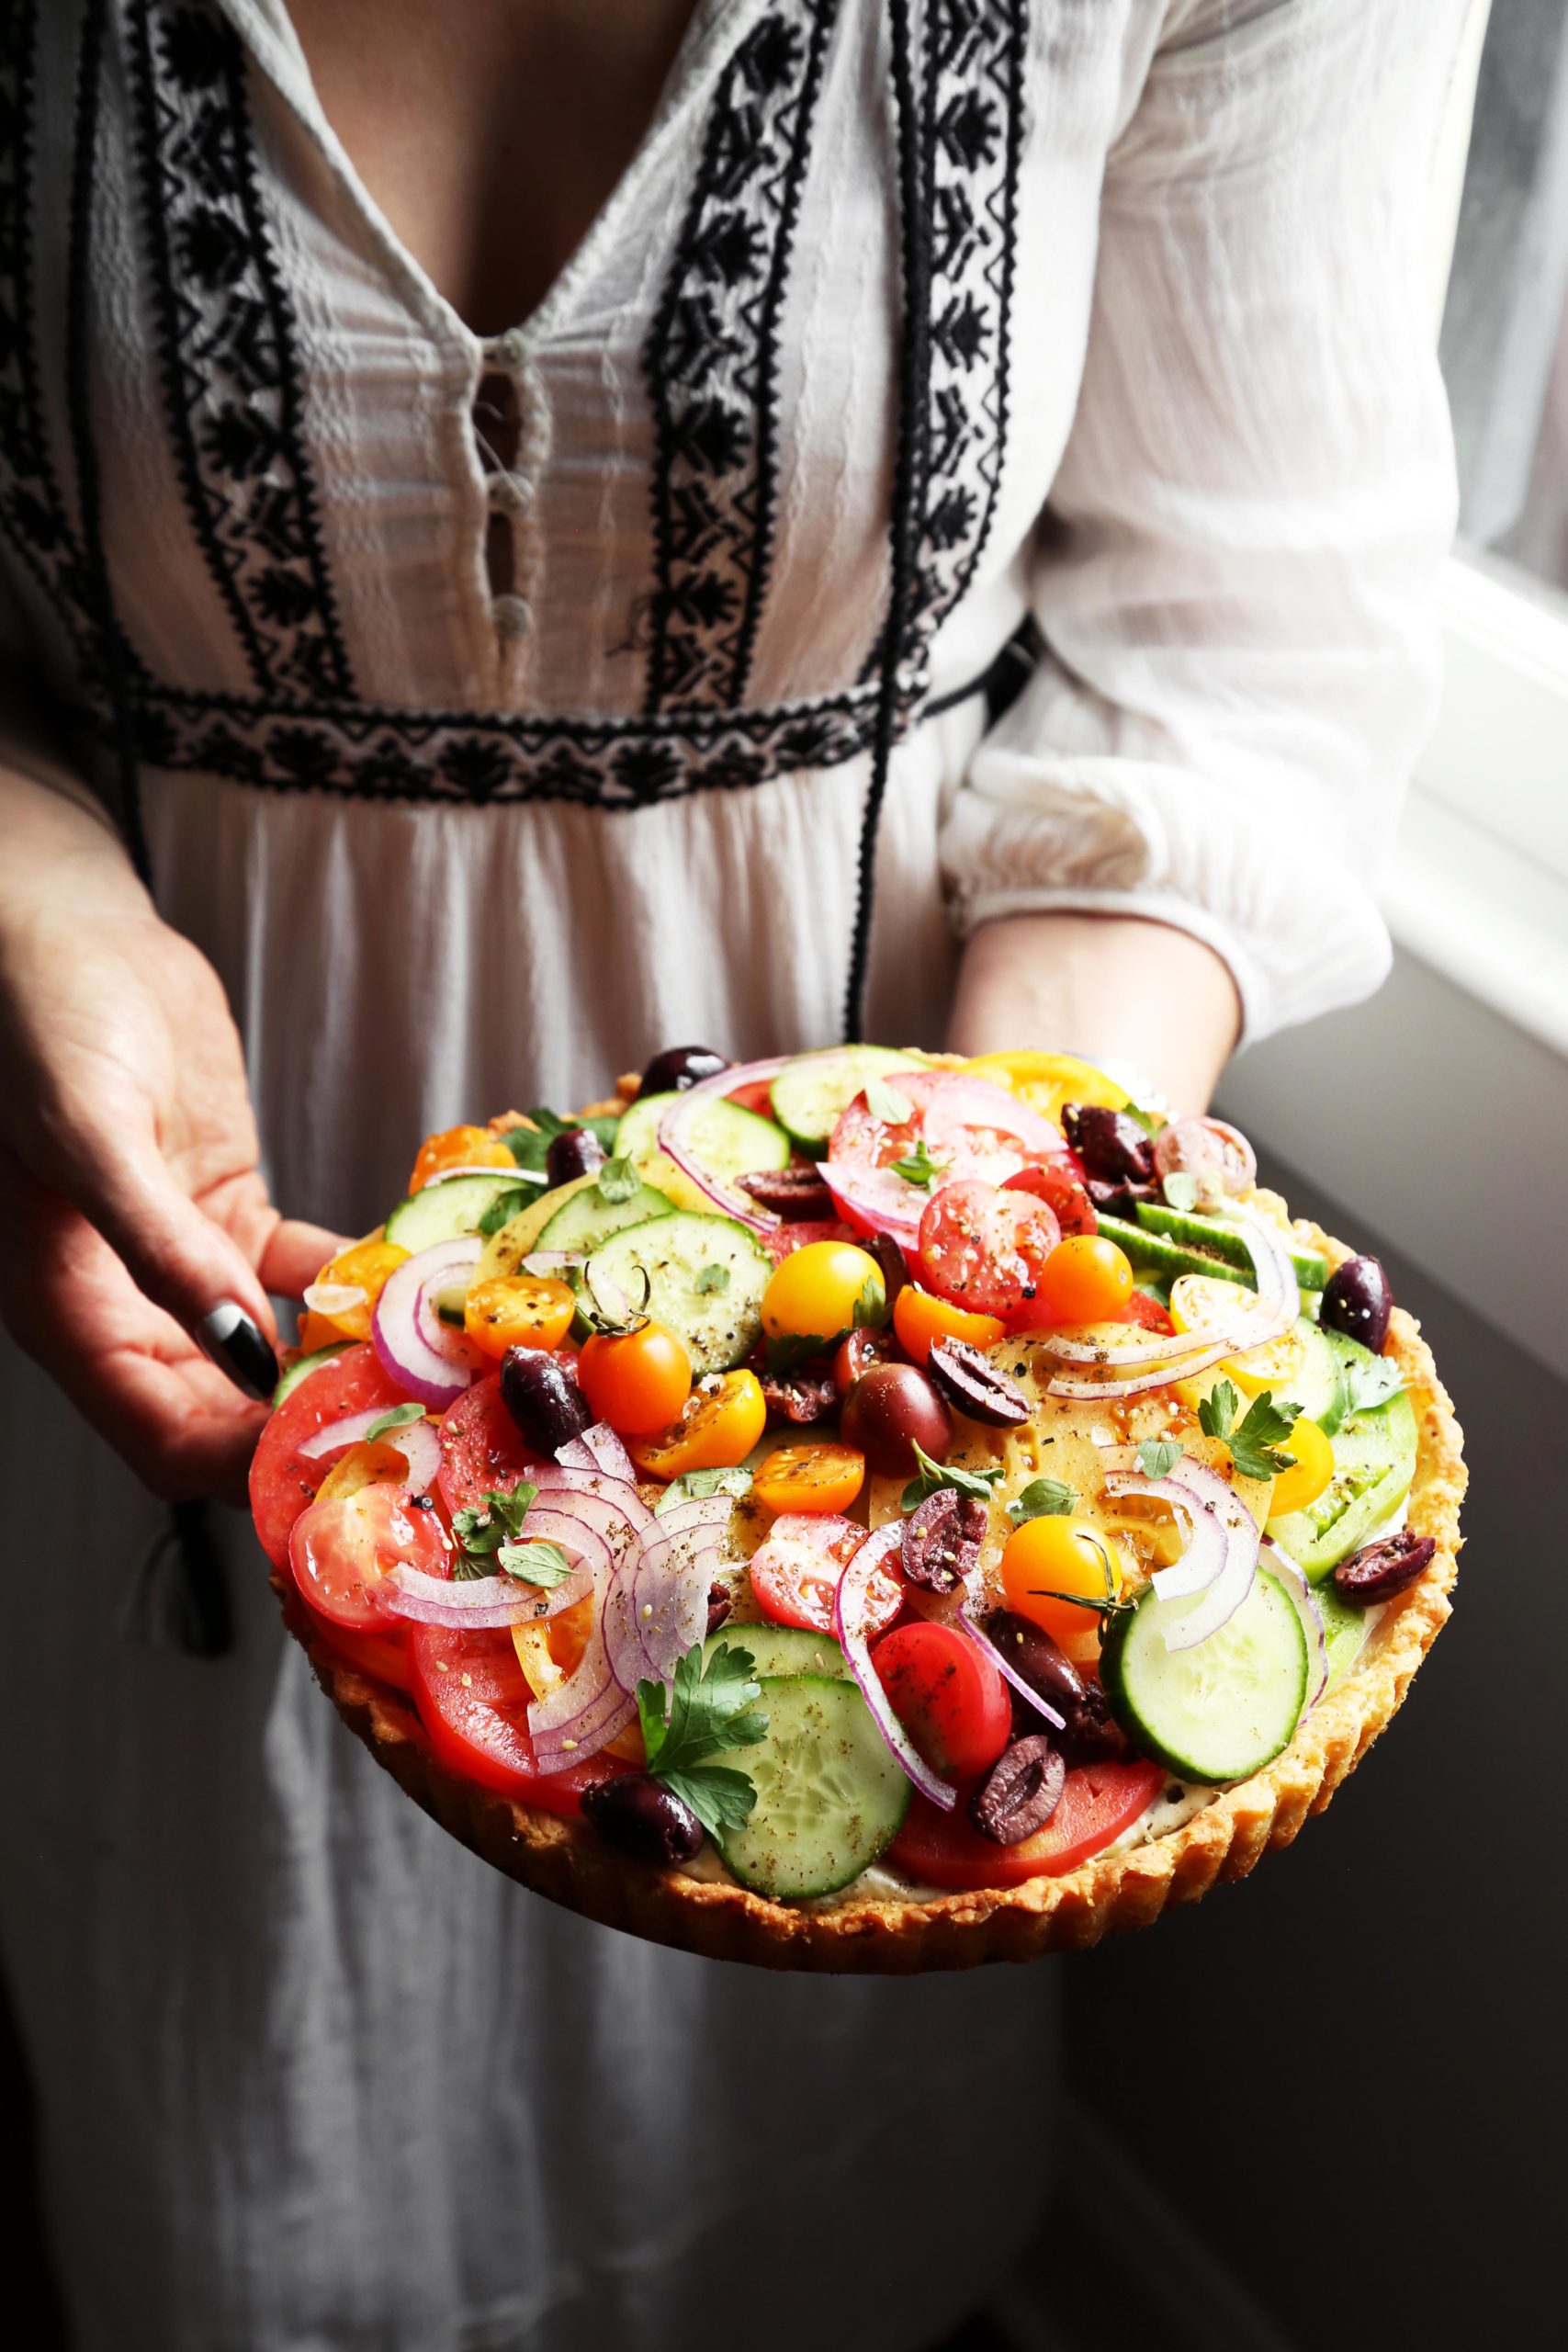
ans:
(226, 338)
(711, 366)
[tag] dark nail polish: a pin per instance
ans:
(238, 1347)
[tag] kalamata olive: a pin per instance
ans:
(941, 1540)
(1121, 1199)
(1378, 1571)
(889, 1255)
(796, 1194)
(1087, 1735)
(1020, 1792)
(890, 1410)
(1357, 1299)
(678, 1067)
(1090, 1735)
(1111, 1145)
(720, 1602)
(857, 1353)
(542, 1394)
(972, 1384)
(576, 1151)
(807, 1393)
(643, 1818)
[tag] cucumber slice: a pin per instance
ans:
(1219, 1712)
(1317, 1385)
(830, 1796)
(726, 1139)
(588, 1218)
(1343, 1629)
(304, 1368)
(810, 1092)
(1225, 1257)
(783, 1649)
(719, 1323)
(448, 1210)
(1374, 1462)
(1217, 1235)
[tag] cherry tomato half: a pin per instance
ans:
(283, 1480)
(1062, 1192)
(364, 1266)
(638, 1380)
(1147, 1312)
(816, 1290)
(794, 1575)
(986, 1249)
(950, 1697)
(518, 1311)
(341, 1547)
(810, 1478)
(1086, 1279)
(719, 1424)
(1045, 1557)
(1314, 1467)
(1098, 1802)
(921, 1319)
(458, 1147)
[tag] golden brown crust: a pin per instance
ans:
(567, 1861)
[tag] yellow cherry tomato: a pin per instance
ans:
(810, 1478)
(1198, 1300)
(316, 1333)
(372, 1464)
(1046, 1557)
(518, 1311)
(1294, 1489)
(722, 1421)
(365, 1266)
(458, 1147)
(1047, 1081)
(817, 1289)
(1084, 1280)
(920, 1320)
(637, 1380)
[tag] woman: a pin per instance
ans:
(482, 706)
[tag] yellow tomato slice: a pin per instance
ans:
(810, 1478)
(1314, 1467)
(1046, 1081)
(1198, 1300)
(717, 1427)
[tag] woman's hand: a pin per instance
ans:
(131, 1201)
(1115, 985)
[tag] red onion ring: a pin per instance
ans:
(1220, 1600)
(877, 1200)
(583, 1714)
(481, 1603)
(606, 1453)
(417, 1441)
(433, 1362)
(958, 1101)
(1205, 1556)
(512, 1175)
(848, 1608)
(333, 1298)
(604, 1502)
(675, 1129)
(657, 1603)
(553, 1262)
(1306, 1607)
(982, 1640)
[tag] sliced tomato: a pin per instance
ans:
(795, 1573)
(984, 1247)
(384, 1655)
(1063, 1193)
(283, 1480)
(949, 1696)
(974, 1132)
(482, 1448)
(473, 1699)
(755, 1096)
(1098, 1802)
(341, 1548)
(1148, 1312)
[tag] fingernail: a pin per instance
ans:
(239, 1347)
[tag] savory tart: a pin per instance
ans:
(859, 1510)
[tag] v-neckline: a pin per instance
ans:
(269, 33)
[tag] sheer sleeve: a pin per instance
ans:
(1235, 576)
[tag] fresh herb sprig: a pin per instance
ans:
(1371, 1384)
(1157, 1456)
(402, 1417)
(1255, 1441)
(918, 1167)
(706, 1708)
(1043, 1499)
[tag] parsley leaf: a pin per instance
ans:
(884, 1101)
(871, 1306)
(711, 1282)
(919, 1167)
(402, 1417)
(1041, 1499)
(484, 1527)
(535, 1563)
(934, 1475)
(1157, 1456)
(618, 1180)
(1255, 1441)
(503, 1208)
(696, 1485)
(709, 1709)
(1181, 1191)
(1369, 1384)
(1218, 1409)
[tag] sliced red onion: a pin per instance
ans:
(584, 1713)
(1216, 1154)
(877, 1199)
(657, 1602)
(982, 1640)
(1203, 1558)
(606, 1453)
(574, 1455)
(553, 1262)
(849, 1623)
(479, 1603)
(425, 1356)
(417, 1441)
(958, 1102)
(605, 1502)
(490, 1168)
(676, 1137)
(1306, 1607)
(1219, 1602)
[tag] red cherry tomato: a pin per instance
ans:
(481, 1447)
(473, 1700)
(859, 1352)
(1148, 1312)
(986, 1249)
(1098, 1803)
(341, 1547)
(795, 1573)
(1063, 1194)
(284, 1481)
(950, 1698)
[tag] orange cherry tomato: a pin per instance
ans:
(810, 1478)
(316, 1333)
(920, 1320)
(815, 1291)
(1084, 1280)
(365, 1266)
(1048, 1557)
(721, 1423)
(638, 1380)
(458, 1147)
(518, 1311)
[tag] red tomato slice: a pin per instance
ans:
(984, 1247)
(1141, 1309)
(341, 1548)
(473, 1700)
(283, 1480)
(384, 1655)
(948, 1695)
(481, 1449)
(756, 1096)
(795, 1573)
(977, 1133)
(1098, 1802)
(1066, 1199)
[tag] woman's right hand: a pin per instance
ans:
(131, 1204)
